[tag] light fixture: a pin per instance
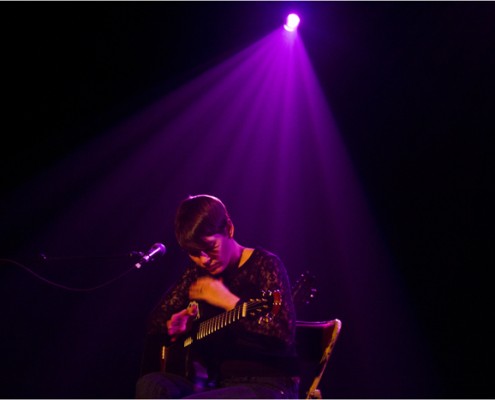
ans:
(292, 22)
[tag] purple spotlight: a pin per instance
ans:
(292, 22)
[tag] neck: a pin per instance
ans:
(237, 255)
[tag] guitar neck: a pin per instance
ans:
(226, 318)
(217, 322)
(222, 320)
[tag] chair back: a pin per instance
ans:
(315, 342)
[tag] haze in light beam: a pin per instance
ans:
(256, 131)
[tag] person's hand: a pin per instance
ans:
(214, 292)
(181, 322)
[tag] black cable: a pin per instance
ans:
(63, 286)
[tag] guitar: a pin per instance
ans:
(303, 292)
(178, 358)
(266, 307)
(181, 360)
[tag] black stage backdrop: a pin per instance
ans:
(411, 87)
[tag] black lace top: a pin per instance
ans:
(247, 347)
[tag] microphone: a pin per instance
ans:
(158, 249)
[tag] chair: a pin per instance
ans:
(315, 343)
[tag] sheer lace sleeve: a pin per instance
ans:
(266, 272)
(173, 300)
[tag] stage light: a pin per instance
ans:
(292, 22)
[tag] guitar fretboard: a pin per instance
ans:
(224, 319)
(220, 321)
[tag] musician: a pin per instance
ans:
(252, 357)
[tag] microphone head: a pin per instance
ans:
(159, 249)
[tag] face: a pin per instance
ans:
(217, 255)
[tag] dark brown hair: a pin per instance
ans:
(198, 216)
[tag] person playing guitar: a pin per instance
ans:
(232, 307)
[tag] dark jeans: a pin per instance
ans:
(158, 385)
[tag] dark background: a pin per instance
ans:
(410, 85)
